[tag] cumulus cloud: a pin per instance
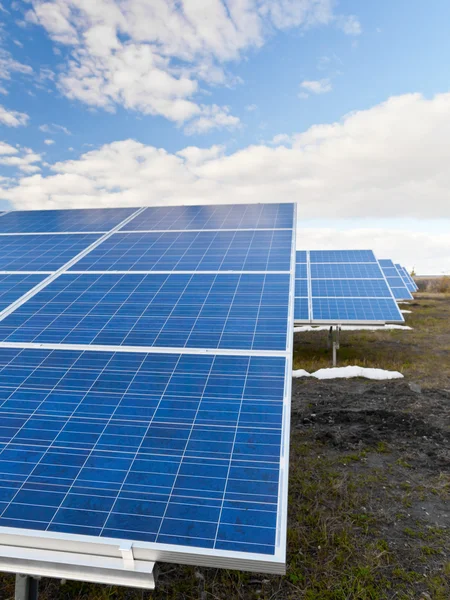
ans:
(8, 66)
(12, 118)
(350, 25)
(388, 161)
(23, 159)
(427, 253)
(49, 142)
(151, 56)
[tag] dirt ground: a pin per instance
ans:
(369, 496)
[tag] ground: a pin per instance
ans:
(369, 495)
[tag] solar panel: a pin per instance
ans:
(145, 384)
(13, 286)
(77, 220)
(342, 286)
(251, 216)
(399, 289)
(407, 279)
(179, 311)
(192, 251)
(40, 252)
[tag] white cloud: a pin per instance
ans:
(49, 142)
(427, 253)
(151, 55)
(7, 149)
(8, 66)
(251, 107)
(349, 25)
(25, 160)
(52, 128)
(387, 161)
(212, 117)
(12, 118)
(320, 86)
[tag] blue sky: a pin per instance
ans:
(148, 102)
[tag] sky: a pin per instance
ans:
(340, 106)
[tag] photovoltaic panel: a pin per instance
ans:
(178, 450)
(238, 216)
(409, 281)
(192, 251)
(342, 286)
(177, 311)
(40, 252)
(77, 220)
(163, 420)
(14, 286)
(395, 281)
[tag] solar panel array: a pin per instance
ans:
(145, 360)
(342, 286)
(408, 280)
(395, 280)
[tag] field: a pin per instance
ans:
(369, 479)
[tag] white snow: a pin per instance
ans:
(406, 312)
(303, 328)
(348, 372)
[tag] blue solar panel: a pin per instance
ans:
(399, 289)
(409, 281)
(40, 252)
(300, 256)
(194, 311)
(350, 288)
(342, 256)
(13, 287)
(153, 447)
(238, 216)
(345, 271)
(348, 291)
(192, 251)
(355, 309)
(48, 221)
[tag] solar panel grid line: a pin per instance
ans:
(4, 313)
(230, 272)
(146, 349)
(223, 229)
(42, 233)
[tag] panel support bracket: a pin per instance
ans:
(27, 587)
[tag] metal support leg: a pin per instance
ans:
(335, 336)
(27, 588)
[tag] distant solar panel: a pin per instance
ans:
(251, 216)
(77, 220)
(343, 286)
(14, 286)
(40, 252)
(408, 280)
(399, 289)
(163, 421)
(177, 311)
(192, 251)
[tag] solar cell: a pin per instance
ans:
(40, 252)
(407, 279)
(14, 286)
(168, 449)
(192, 251)
(353, 290)
(77, 220)
(243, 216)
(193, 311)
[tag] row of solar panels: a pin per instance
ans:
(349, 286)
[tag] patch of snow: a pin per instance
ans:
(303, 328)
(301, 373)
(348, 372)
(406, 312)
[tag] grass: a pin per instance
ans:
(422, 354)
